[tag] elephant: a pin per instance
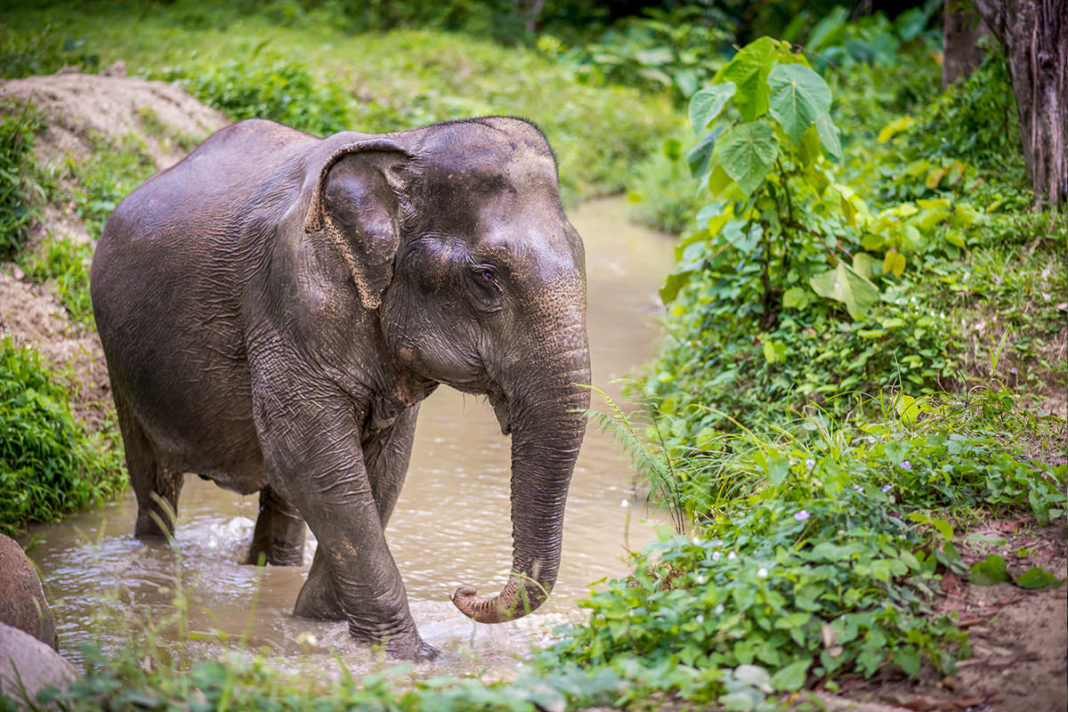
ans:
(274, 307)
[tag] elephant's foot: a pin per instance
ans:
(156, 517)
(318, 597)
(412, 648)
(279, 535)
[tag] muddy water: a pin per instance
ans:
(451, 525)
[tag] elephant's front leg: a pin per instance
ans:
(386, 457)
(311, 447)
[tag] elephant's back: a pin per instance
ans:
(167, 279)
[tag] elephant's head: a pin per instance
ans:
(479, 281)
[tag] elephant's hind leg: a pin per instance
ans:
(156, 488)
(279, 534)
(318, 598)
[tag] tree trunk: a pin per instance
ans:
(961, 29)
(1034, 34)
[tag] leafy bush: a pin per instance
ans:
(753, 333)
(668, 50)
(49, 464)
(43, 52)
(282, 90)
(974, 121)
(21, 181)
(661, 192)
(815, 555)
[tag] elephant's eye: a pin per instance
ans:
(484, 287)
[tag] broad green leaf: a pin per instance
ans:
(809, 148)
(934, 177)
(894, 262)
(749, 70)
(908, 408)
(927, 220)
(673, 285)
(828, 30)
(872, 241)
(791, 677)
(964, 215)
(989, 571)
(913, 238)
(793, 297)
(698, 157)
(844, 285)
(716, 223)
(798, 96)
(862, 264)
(908, 659)
(706, 104)
(829, 136)
(894, 127)
(1036, 577)
(719, 181)
(746, 153)
(672, 149)
(774, 351)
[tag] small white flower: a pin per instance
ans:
(624, 503)
(700, 619)
(719, 610)
(731, 556)
(762, 572)
(701, 579)
(696, 541)
(810, 463)
(716, 556)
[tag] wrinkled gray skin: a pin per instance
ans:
(274, 308)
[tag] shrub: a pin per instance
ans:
(286, 91)
(815, 555)
(43, 52)
(49, 464)
(21, 181)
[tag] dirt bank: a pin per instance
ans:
(84, 112)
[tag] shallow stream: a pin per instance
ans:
(451, 525)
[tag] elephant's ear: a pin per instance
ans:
(357, 203)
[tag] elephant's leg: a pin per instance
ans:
(279, 533)
(318, 597)
(309, 436)
(386, 458)
(156, 489)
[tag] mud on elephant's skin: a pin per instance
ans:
(274, 307)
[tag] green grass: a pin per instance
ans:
(49, 464)
(839, 532)
(64, 265)
(373, 82)
(23, 184)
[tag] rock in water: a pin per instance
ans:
(27, 666)
(22, 599)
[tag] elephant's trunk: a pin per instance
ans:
(547, 423)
